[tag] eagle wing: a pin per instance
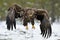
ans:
(45, 25)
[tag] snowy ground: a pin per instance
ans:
(22, 34)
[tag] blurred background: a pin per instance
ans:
(52, 6)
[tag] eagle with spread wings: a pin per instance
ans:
(28, 15)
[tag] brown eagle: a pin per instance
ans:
(28, 15)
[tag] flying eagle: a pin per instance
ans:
(28, 15)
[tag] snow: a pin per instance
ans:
(31, 34)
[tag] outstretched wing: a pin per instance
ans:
(45, 28)
(45, 25)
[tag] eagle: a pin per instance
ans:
(28, 15)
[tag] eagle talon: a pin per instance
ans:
(33, 27)
(26, 27)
